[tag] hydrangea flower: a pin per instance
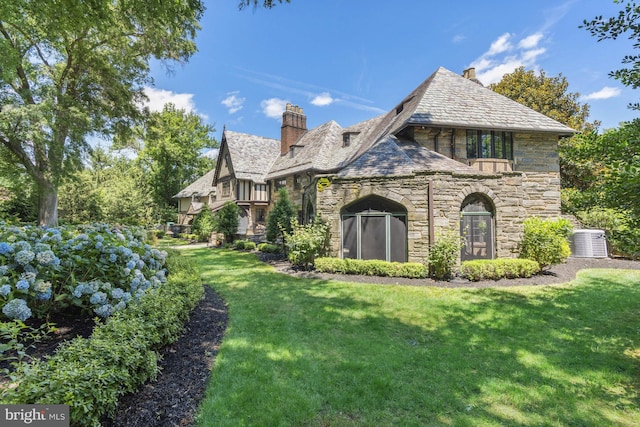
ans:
(47, 258)
(5, 248)
(17, 309)
(113, 258)
(77, 292)
(24, 257)
(98, 298)
(117, 293)
(22, 285)
(5, 290)
(3, 270)
(104, 310)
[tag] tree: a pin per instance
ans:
(227, 221)
(627, 20)
(172, 153)
(72, 68)
(546, 95)
(279, 218)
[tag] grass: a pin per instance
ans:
(309, 352)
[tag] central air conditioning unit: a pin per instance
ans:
(589, 244)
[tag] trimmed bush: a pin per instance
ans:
(501, 268)
(306, 242)
(250, 246)
(545, 241)
(371, 267)
(239, 244)
(90, 374)
(269, 248)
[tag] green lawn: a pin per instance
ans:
(310, 352)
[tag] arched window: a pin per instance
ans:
(374, 228)
(477, 228)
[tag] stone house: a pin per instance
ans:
(451, 156)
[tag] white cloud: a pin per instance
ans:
(500, 45)
(273, 107)
(159, 97)
(604, 93)
(233, 102)
(458, 38)
(531, 41)
(323, 99)
(504, 57)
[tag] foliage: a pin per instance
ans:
(122, 353)
(622, 237)
(269, 248)
(279, 218)
(16, 337)
(443, 255)
(171, 157)
(500, 268)
(70, 69)
(239, 244)
(627, 20)
(98, 268)
(227, 221)
(370, 267)
(306, 242)
(80, 199)
(204, 224)
(545, 240)
(546, 95)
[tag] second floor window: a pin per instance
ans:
(489, 144)
(226, 189)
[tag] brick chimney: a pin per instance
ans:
(294, 125)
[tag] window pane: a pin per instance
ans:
(374, 237)
(398, 232)
(508, 145)
(485, 139)
(349, 237)
(498, 148)
(472, 144)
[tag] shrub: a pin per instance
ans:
(306, 242)
(443, 255)
(239, 244)
(90, 374)
(501, 268)
(249, 246)
(545, 241)
(204, 224)
(279, 218)
(96, 267)
(269, 248)
(227, 221)
(370, 267)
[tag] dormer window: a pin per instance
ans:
(489, 144)
(346, 139)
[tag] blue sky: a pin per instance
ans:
(350, 60)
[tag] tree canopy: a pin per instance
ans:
(267, 4)
(69, 69)
(626, 22)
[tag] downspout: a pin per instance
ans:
(432, 230)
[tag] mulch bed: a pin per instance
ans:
(173, 398)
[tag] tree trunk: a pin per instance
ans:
(47, 205)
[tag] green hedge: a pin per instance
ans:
(370, 267)
(269, 248)
(90, 374)
(501, 268)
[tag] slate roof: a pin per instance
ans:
(445, 99)
(448, 99)
(200, 187)
(251, 155)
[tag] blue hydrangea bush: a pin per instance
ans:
(98, 268)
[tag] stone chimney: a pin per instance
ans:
(470, 73)
(294, 125)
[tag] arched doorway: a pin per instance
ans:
(477, 228)
(374, 228)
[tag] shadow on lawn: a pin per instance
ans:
(318, 353)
